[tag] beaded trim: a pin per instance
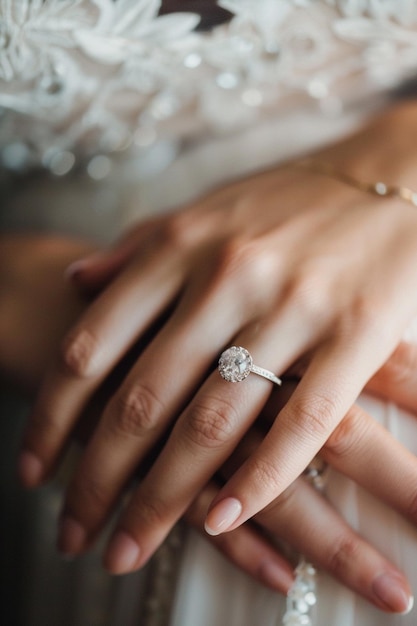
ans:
(302, 597)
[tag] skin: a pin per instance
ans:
(324, 276)
(31, 283)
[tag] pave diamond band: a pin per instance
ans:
(235, 364)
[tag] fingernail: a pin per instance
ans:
(392, 592)
(122, 553)
(74, 269)
(71, 536)
(29, 468)
(410, 606)
(276, 577)
(223, 516)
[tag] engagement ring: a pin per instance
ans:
(235, 364)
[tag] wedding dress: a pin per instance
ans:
(111, 111)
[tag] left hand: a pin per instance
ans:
(31, 283)
(324, 272)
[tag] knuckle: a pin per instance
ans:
(234, 254)
(261, 268)
(365, 320)
(344, 552)
(137, 411)
(364, 311)
(252, 267)
(315, 415)
(306, 291)
(211, 424)
(402, 365)
(176, 230)
(78, 353)
(266, 476)
(347, 436)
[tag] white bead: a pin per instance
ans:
(381, 188)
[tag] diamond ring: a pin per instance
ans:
(235, 364)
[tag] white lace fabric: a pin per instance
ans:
(80, 78)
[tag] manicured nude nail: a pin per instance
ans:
(224, 514)
(122, 553)
(276, 576)
(392, 592)
(29, 468)
(410, 606)
(71, 536)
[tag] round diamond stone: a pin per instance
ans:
(235, 364)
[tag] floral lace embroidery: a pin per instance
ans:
(101, 75)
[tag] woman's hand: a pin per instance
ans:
(302, 518)
(36, 308)
(31, 283)
(288, 264)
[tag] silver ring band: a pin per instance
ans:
(235, 364)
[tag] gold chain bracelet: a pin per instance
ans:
(379, 188)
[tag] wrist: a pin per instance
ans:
(384, 150)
